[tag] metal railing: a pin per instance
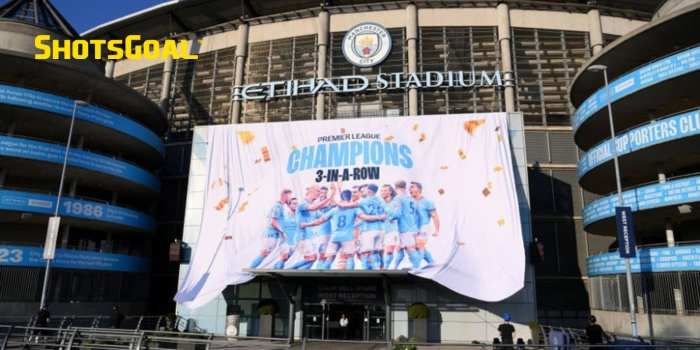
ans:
(69, 338)
(660, 293)
(160, 333)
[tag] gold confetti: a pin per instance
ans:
(246, 136)
(242, 207)
(228, 238)
(458, 243)
(461, 154)
(486, 192)
(415, 127)
(471, 125)
(222, 204)
(422, 138)
(342, 130)
(489, 185)
(444, 167)
(255, 190)
(294, 148)
(266, 154)
(441, 191)
(500, 138)
(498, 128)
(388, 138)
(220, 181)
(258, 160)
(497, 169)
(501, 222)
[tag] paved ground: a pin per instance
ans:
(325, 345)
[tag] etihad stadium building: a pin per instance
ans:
(108, 186)
(286, 61)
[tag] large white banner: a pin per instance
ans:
(433, 195)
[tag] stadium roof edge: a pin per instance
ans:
(128, 17)
(190, 16)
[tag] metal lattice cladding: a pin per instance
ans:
(280, 60)
(371, 102)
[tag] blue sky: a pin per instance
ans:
(87, 14)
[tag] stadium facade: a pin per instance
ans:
(656, 119)
(538, 47)
(102, 255)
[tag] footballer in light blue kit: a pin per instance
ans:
(426, 211)
(343, 235)
(273, 230)
(406, 206)
(304, 236)
(391, 227)
(289, 224)
(322, 231)
(371, 232)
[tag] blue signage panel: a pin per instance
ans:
(647, 260)
(60, 105)
(683, 125)
(18, 147)
(667, 68)
(72, 259)
(44, 204)
(625, 232)
(653, 196)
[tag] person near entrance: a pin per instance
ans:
(506, 330)
(117, 318)
(344, 326)
(594, 332)
(42, 321)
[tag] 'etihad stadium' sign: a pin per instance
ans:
(359, 83)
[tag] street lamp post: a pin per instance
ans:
(60, 193)
(621, 203)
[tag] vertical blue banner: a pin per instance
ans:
(625, 232)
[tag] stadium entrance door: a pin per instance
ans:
(365, 322)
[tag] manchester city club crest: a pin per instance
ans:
(366, 44)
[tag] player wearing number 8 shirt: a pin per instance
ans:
(342, 222)
(372, 232)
